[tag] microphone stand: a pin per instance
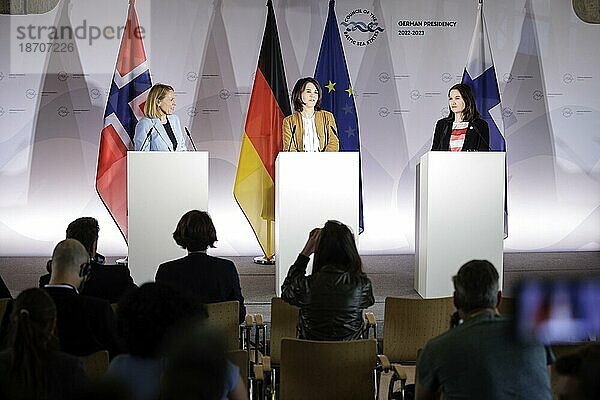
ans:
(147, 137)
(191, 140)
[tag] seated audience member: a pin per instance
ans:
(209, 278)
(333, 297)
(481, 358)
(579, 373)
(147, 317)
(85, 324)
(197, 368)
(32, 367)
(107, 282)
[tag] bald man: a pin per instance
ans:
(85, 324)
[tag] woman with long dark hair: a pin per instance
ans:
(309, 128)
(462, 129)
(32, 367)
(333, 297)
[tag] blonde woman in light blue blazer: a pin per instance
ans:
(160, 129)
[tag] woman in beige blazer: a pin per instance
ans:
(309, 128)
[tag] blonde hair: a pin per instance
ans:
(157, 93)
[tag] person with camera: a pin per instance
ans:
(333, 297)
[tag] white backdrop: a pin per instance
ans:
(546, 59)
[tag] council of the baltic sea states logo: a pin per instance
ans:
(361, 27)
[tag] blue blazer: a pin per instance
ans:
(210, 279)
(158, 140)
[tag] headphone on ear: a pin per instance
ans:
(85, 269)
(456, 300)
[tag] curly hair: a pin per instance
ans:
(147, 315)
(195, 231)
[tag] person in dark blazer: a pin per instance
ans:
(108, 282)
(84, 324)
(211, 279)
(462, 129)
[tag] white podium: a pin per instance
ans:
(459, 216)
(311, 188)
(161, 187)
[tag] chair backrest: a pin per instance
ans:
(507, 306)
(328, 370)
(240, 358)
(224, 316)
(409, 323)
(284, 318)
(95, 365)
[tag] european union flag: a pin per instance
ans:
(332, 74)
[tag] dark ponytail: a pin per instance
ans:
(32, 340)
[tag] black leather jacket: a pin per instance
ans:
(331, 301)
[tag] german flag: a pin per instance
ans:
(269, 105)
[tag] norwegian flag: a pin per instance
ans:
(124, 108)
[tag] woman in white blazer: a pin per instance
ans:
(160, 129)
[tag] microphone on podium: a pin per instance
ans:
(480, 137)
(191, 140)
(147, 137)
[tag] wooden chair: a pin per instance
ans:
(240, 359)
(507, 306)
(328, 370)
(284, 318)
(95, 365)
(408, 325)
(224, 317)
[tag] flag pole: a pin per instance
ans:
(264, 260)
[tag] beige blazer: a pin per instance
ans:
(293, 132)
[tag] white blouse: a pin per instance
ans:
(310, 139)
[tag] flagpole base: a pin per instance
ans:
(262, 260)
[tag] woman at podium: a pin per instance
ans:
(309, 128)
(160, 129)
(462, 129)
